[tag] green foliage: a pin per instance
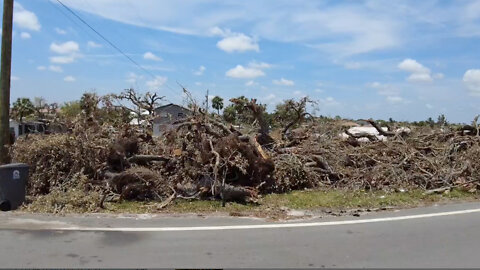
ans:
(89, 103)
(291, 113)
(22, 107)
(217, 103)
(283, 113)
(70, 110)
(230, 114)
(430, 122)
(442, 120)
(238, 112)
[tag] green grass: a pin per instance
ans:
(358, 199)
(270, 205)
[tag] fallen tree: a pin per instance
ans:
(204, 158)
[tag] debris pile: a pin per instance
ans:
(203, 158)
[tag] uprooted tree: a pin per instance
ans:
(291, 113)
(203, 157)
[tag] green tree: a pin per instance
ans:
(230, 114)
(442, 120)
(217, 103)
(71, 109)
(22, 107)
(430, 122)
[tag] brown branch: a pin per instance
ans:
(146, 158)
(380, 130)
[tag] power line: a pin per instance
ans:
(111, 43)
(105, 39)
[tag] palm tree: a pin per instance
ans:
(23, 107)
(217, 103)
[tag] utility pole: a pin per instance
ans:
(5, 72)
(206, 103)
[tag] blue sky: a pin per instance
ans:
(408, 60)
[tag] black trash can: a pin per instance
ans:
(13, 184)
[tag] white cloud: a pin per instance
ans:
(14, 78)
(92, 44)
(429, 106)
(244, 72)
(420, 77)
(68, 52)
(299, 93)
(69, 79)
(353, 65)
(54, 68)
(384, 89)
(25, 35)
(238, 43)
(318, 90)
(395, 99)
(156, 83)
(234, 42)
(23, 18)
(41, 67)
(133, 78)
(151, 56)
(60, 31)
(259, 65)
(328, 102)
(200, 71)
(69, 47)
(471, 79)
(284, 82)
(438, 76)
(269, 98)
(251, 83)
(419, 73)
(351, 27)
(413, 66)
(253, 70)
(62, 59)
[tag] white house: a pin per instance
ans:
(15, 127)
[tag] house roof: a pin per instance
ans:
(169, 105)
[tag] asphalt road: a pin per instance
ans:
(441, 236)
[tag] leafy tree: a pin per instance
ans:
(430, 122)
(291, 113)
(89, 104)
(217, 103)
(22, 107)
(71, 109)
(442, 120)
(230, 114)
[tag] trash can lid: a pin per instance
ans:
(14, 166)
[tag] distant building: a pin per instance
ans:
(166, 115)
(18, 129)
(136, 121)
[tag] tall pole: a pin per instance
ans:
(5, 72)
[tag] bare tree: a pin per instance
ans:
(142, 102)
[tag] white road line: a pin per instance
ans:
(264, 226)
